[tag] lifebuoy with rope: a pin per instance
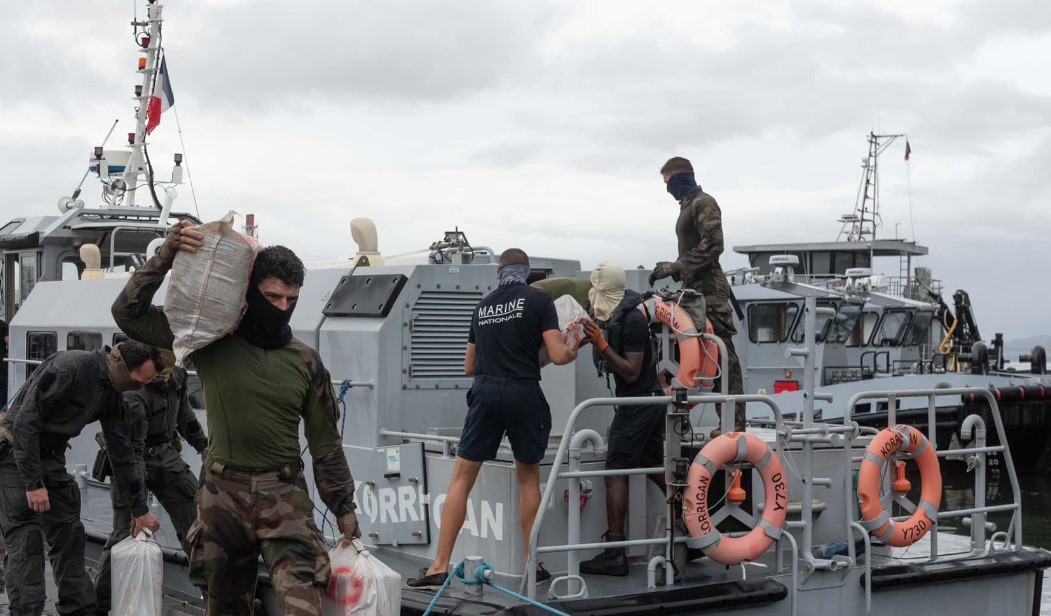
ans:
(722, 450)
(875, 519)
(698, 358)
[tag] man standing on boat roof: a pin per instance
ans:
(259, 383)
(39, 500)
(636, 435)
(699, 230)
(508, 328)
(156, 415)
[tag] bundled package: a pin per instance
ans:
(137, 583)
(361, 585)
(571, 317)
(206, 292)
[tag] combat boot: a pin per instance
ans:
(612, 561)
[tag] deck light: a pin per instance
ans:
(131, 138)
(178, 159)
(98, 152)
(138, 91)
(144, 41)
(142, 64)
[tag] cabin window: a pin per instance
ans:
(821, 263)
(843, 324)
(919, 333)
(823, 323)
(119, 337)
(863, 329)
(771, 322)
(70, 270)
(27, 262)
(891, 331)
(83, 341)
(39, 346)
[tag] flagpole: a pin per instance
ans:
(152, 53)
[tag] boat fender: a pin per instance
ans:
(698, 358)
(722, 450)
(875, 519)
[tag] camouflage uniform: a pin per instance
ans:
(253, 499)
(699, 230)
(156, 415)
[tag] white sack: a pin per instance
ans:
(206, 292)
(571, 317)
(136, 583)
(361, 585)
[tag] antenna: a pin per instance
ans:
(860, 225)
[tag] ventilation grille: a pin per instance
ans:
(439, 325)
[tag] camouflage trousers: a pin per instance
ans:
(723, 327)
(243, 514)
(173, 483)
(26, 533)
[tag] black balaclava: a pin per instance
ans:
(681, 184)
(264, 324)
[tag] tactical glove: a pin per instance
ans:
(663, 269)
(348, 525)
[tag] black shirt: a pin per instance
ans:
(507, 330)
(636, 339)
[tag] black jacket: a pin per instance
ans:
(65, 393)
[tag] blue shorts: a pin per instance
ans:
(497, 406)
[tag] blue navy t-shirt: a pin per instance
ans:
(507, 329)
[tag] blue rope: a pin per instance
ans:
(479, 578)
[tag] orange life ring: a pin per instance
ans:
(726, 448)
(875, 519)
(698, 358)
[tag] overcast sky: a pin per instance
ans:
(543, 124)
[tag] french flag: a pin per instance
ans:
(161, 100)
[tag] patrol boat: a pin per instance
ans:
(882, 331)
(789, 541)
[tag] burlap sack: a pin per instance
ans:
(206, 292)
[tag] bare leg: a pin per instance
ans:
(455, 510)
(528, 476)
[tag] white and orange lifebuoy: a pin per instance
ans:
(724, 449)
(875, 519)
(698, 358)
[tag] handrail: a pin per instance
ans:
(1015, 527)
(529, 579)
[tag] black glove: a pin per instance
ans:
(663, 269)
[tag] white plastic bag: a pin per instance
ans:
(137, 569)
(361, 585)
(571, 317)
(206, 293)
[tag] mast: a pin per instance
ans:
(149, 39)
(860, 225)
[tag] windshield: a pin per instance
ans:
(892, 328)
(919, 333)
(844, 321)
(823, 322)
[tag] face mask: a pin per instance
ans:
(681, 184)
(264, 324)
(119, 375)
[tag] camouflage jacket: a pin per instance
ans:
(254, 398)
(699, 230)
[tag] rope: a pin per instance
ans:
(480, 578)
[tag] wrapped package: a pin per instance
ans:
(571, 317)
(206, 292)
(136, 570)
(361, 585)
